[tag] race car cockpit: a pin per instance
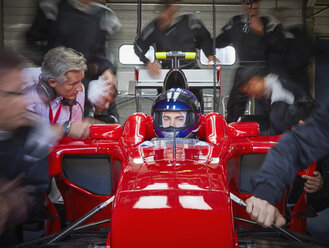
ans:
(179, 187)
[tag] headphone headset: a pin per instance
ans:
(45, 92)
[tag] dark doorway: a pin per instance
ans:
(321, 71)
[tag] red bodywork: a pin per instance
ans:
(162, 199)
(78, 201)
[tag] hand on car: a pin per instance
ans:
(264, 213)
(80, 129)
(15, 201)
(313, 184)
(154, 68)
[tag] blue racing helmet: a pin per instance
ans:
(176, 111)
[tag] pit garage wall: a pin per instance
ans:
(320, 22)
(128, 16)
(18, 16)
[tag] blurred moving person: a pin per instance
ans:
(300, 49)
(253, 42)
(255, 82)
(58, 94)
(85, 26)
(173, 32)
(24, 145)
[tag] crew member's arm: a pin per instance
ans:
(108, 26)
(16, 202)
(226, 37)
(202, 37)
(264, 213)
(295, 151)
(75, 130)
(142, 45)
(100, 64)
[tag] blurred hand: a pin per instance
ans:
(256, 25)
(211, 61)
(102, 92)
(80, 129)
(112, 92)
(313, 184)
(154, 68)
(15, 202)
(109, 76)
(264, 213)
(92, 121)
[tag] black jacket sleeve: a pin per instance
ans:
(144, 41)
(201, 34)
(295, 151)
(99, 54)
(226, 37)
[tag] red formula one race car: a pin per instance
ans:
(120, 191)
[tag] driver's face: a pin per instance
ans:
(173, 119)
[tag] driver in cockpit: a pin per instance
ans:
(176, 113)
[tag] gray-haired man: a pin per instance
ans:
(58, 94)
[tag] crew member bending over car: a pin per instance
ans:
(255, 82)
(57, 93)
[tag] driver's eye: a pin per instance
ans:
(166, 119)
